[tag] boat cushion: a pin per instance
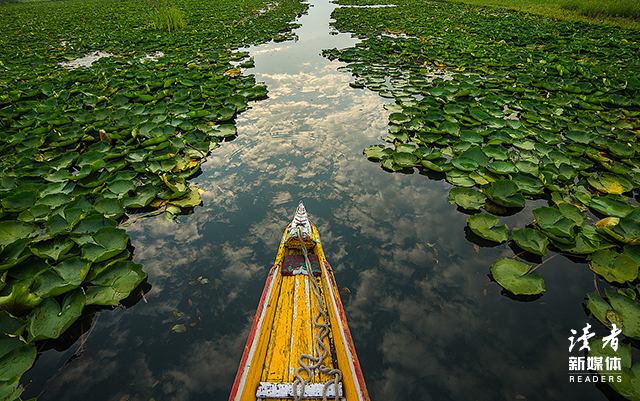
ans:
(294, 264)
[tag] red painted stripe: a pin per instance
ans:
(252, 335)
(343, 318)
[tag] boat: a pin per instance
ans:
(299, 346)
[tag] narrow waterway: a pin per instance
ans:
(427, 322)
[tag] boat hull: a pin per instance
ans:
(282, 330)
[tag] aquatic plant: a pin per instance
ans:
(166, 16)
(85, 150)
(510, 107)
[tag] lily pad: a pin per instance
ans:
(50, 319)
(467, 198)
(531, 240)
(12, 231)
(19, 301)
(610, 184)
(611, 207)
(115, 283)
(614, 266)
(629, 384)
(404, 159)
(528, 183)
(399, 118)
(512, 275)
(107, 242)
(484, 225)
(16, 357)
(377, 152)
(505, 193)
(560, 225)
(109, 207)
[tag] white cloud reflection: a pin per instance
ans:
(415, 286)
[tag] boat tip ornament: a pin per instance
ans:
(300, 220)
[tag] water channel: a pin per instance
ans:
(427, 322)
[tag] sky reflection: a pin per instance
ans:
(427, 322)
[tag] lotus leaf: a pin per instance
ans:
(459, 178)
(528, 184)
(16, 357)
(588, 241)
(611, 207)
(633, 251)
(19, 301)
(121, 186)
(115, 283)
(505, 193)
(614, 267)
(484, 225)
(377, 152)
(464, 164)
(427, 153)
(107, 242)
(611, 184)
(143, 197)
(531, 240)
(50, 284)
(54, 201)
(192, 199)
(403, 159)
(628, 310)
(14, 253)
(20, 201)
(627, 230)
(496, 152)
(467, 198)
(389, 164)
(561, 224)
(50, 319)
(500, 167)
(52, 249)
(111, 208)
(512, 275)
(629, 384)
(12, 231)
(438, 165)
(10, 324)
(225, 131)
(91, 224)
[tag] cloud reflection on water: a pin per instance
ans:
(414, 296)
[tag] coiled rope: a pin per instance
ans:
(320, 348)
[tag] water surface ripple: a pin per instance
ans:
(427, 322)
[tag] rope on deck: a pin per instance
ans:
(321, 349)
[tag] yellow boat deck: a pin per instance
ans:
(283, 329)
(293, 333)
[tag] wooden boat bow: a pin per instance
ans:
(283, 329)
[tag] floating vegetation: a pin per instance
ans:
(168, 17)
(115, 134)
(531, 109)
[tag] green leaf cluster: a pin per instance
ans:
(510, 107)
(84, 149)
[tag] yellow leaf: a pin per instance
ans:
(158, 203)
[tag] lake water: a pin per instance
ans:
(427, 322)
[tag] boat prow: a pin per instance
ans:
(300, 346)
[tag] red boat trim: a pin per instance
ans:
(354, 364)
(255, 329)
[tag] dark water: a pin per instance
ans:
(427, 322)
